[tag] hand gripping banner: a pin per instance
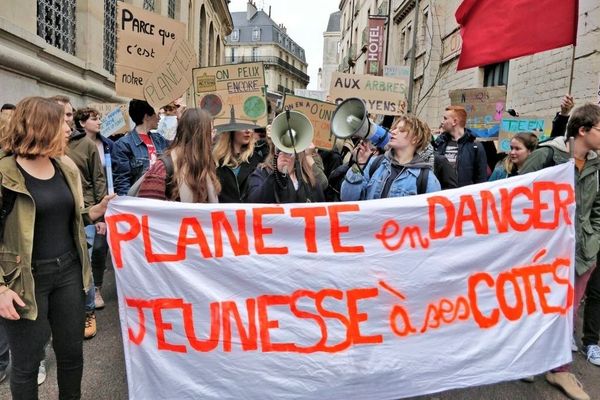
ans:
(378, 299)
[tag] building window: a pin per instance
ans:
(110, 37)
(424, 27)
(235, 35)
(171, 9)
(495, 74)
(56, 23)
(254, 53)
(402, 42)
(149, 5)
(279, 37)
(256, 34)
(409, 40)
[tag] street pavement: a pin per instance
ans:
(104, 376)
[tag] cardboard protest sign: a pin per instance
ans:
(172, 78)
(385, 96)
(319, 113)
(114, 118)
(338, 298)
(311, 94)
(485, 107)
(234, 94)
(144, 41)
(510, 126)
(396, 71)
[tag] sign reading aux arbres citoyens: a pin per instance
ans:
(382, 95)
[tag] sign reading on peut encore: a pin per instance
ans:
(233, 94)
(154, 60)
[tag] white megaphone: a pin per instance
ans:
(350, 120)
(291, 132)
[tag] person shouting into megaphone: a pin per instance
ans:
(405, 169)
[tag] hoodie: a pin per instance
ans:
(587, 197)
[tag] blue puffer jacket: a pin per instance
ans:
(130, 159)
(357, 186)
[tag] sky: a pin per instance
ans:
(305, 20)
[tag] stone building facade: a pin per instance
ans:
(535, 84)
(50, 47)
(257, 38)
(331, 50)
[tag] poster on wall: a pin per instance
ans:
(235, 95)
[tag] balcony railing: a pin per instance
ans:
(282, 89)
(303, 77)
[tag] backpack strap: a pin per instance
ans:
(422, 181)
(549, 162)
(8, 202)
(168, 162)
(376, 163)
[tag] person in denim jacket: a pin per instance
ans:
(135, 152)
(409, 152)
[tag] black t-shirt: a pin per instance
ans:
(54, 213)
(395, 171)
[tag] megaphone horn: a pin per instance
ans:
(350, 119)
(291, 131)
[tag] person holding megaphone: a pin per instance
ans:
(405, 169)
(289, 173)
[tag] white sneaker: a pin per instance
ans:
(574, 347)
(592, 353)
(99, 301)
(42, 373)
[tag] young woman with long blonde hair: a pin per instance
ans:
(236, 158)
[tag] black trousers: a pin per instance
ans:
(591, 312)
(99, 254)
(60, 299)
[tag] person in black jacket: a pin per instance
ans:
(236, 157)
(277, 180)
(458, 145)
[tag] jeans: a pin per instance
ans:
(591, 312)
(90, 304)
(4, 353)
(59, 296)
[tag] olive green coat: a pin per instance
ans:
(587, 198)
(17, 246)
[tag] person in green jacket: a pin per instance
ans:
(584, 127)
(44, 263)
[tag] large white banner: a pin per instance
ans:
(378, 299)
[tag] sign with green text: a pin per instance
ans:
(384, 96)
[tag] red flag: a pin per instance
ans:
(497, 30)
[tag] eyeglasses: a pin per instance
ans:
(596, 128)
